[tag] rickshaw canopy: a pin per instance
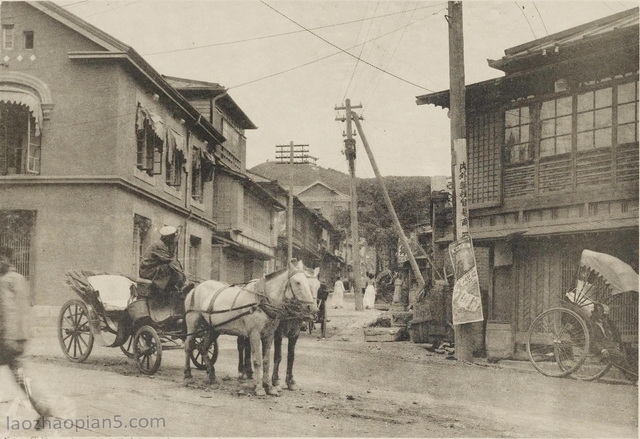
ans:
(618, 275)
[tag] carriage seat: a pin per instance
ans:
(113, 290)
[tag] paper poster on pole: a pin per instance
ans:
(467, 302)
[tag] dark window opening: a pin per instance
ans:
(28, 39)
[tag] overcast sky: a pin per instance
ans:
(289, 84)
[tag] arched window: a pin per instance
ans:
(25, 102)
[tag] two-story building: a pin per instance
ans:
(244, 242)
(97, 153)
(314, 239)
(553, 164)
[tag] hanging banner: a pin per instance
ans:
(460, 187)
(467, 302)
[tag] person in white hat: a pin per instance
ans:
(159, 264)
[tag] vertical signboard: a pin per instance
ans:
(467, 303)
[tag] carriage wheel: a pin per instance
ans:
(74, 334)
(558, 342)
(127, 347)
(594, 367)
(196, 355)
(147, 350)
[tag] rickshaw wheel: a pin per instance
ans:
(74, 333)
(196, 355)
(558, 342)
(147, 350)
(127, 347)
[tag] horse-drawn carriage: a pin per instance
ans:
(117, 311)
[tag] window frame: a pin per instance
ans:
(149, 145)
(27, 154)
(529, 144)
(8, 43)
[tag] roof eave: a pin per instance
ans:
(156, 78)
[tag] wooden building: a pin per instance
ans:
(553, 164)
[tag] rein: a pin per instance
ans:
(287, 309)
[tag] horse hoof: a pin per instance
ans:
(260, 392)
(292, 386)
(273, 391)
(188, 381)
(276, 383)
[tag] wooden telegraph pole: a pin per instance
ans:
(392, 211)
(350, 152)
(302, 155)
(463, 333)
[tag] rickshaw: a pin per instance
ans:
(596, 326)
(118, 311)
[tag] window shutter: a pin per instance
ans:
(33, 150)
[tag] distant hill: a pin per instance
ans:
(303, 175)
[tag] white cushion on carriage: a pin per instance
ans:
(114, 291)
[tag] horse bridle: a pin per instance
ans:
(288, 285)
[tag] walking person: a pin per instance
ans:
(15, 329)
(338, 293)
(369, 293)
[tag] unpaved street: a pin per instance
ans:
(348, 388)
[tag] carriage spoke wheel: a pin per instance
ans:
(558, 342)
(74, 334)
(196, 354)
(127, 347)
(147, 350)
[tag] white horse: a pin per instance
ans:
(252, 311)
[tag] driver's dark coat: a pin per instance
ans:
(159, 266)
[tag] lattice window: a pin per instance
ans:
(556, 133)
(594, 114)
(484, 146)
(517, 144)
(627, 125)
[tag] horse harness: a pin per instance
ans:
(265, 303)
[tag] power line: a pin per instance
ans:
(526, 18)
(344, 51)
(111, 9)
(245, 40)
(359, 56)
(541, 19)
(373, 91)
(327, 56)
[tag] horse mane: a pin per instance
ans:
(275, 274)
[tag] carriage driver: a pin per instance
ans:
(159, 265)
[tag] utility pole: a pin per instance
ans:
(302, 155)
(463, 333)
(350, 152)
(387, 200)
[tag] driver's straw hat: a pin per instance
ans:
(168, 231)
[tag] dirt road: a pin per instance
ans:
(348, 388)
